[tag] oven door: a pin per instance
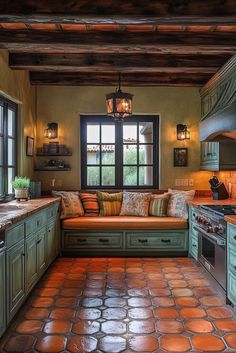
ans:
(212, 255)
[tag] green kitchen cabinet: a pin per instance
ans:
(193, 236)
(15, 278)
(51, 242)
(31, 271)
(231, 263)
(3, 313)
(41, 251)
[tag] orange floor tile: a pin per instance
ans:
(123, 305)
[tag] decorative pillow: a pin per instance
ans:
(90, 204)
(158, 205)
(110, 204)
(135, 204)
(177, 206)
(70, 203)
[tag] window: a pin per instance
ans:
(119, 155)
(7, 145)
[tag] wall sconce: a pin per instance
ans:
(182, 132)
(52, 131)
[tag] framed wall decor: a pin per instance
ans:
(180, 157)
(29, 146)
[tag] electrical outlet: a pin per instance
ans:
(178, 182)
(185, 182)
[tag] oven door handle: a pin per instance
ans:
(218, 240)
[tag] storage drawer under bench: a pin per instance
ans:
(74, 240)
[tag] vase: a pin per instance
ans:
(22, 193)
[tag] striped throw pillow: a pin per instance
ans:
(110, 204)
(158, 205)
(90, 204)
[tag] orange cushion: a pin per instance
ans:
(125, 223)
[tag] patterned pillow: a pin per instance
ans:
(90, 204)
(135, 204)
(110, 204)
(177, 206)
(158, 205)
(70, 203)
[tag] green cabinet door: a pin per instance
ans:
(41, 251)
(31, 270)
(51, 242)
(2, 293)
(15, 278)
(210, 158)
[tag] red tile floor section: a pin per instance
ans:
(123, 305)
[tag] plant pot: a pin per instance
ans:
(22, 193)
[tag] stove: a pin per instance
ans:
(209, 226)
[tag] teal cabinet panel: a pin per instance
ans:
(232, 260)
(51, 242)
(35, 222)
(14, 234)
(31, 271)
(41, 251)
(93, 240)
(163, 240)
(231, 235)
(15, 278)
(52, 212)
(231, 263)
(3, 320)
(231, 292)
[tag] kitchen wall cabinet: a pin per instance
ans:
(3, 311)
(231, 263)
(31, 246)
(217, 156)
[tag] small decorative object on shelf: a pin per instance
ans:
(53, 149)
(21, 187)
(54, 164)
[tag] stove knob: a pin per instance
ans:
(216, 229)
(205, 222)
(209, 230)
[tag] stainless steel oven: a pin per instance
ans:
(212, 254)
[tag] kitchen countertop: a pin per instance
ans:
(12, 212)
(198, 201)
(230, 219)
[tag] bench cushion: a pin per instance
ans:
(125, 223)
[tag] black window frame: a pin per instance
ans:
(85, 119)
(7, 104)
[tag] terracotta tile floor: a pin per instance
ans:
(123, 305)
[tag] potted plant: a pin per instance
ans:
(21, 187)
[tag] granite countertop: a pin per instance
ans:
(198, 201)
(230, 219)
(12, 212)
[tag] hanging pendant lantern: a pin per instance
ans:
(119, 104)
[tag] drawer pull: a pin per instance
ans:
(194, 245)
(23, 255)
(143, 241)
(81, 240)
(39, 241)
(235, 237)
(165, 240)
(38, 223)
(103, 240)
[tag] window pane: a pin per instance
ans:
(146, 132)
(130, 154)
(93, 176)
(145, 176)
(93, 133)
(1, 150)
(108, 176)
(11, 123)
(1, 120)
(108, 154)
(1, 180)
(130, 175)
(93, 154)
(11, 152)
(108, 133)
(11, 175)
(145, 154)
(129, 132)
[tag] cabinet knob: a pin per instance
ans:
(165, 240)
(235, 237)
(38, 223)
(39, 241)
(194, 245)
(23, 255)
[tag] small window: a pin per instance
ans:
(7, 146)
(119, 155)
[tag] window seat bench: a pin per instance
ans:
(125, 236)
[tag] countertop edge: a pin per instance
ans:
(32, 207)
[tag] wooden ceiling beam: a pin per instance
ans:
(109, 79)
(151, 20)
(108, 7)
(118, 38)
(121, 62)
